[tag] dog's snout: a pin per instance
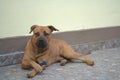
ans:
(41, 43)
(41, 40)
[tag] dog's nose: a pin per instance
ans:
(41, 43)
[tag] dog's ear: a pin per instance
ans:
(52, 28)
(32, 28)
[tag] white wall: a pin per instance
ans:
(16, 16)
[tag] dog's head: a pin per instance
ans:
(41, 35)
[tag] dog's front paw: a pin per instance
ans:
(31, 74)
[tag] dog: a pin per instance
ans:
(42, 50)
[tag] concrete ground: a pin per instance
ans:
(107, 67)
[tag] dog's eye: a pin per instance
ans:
(37, 34)
(45, 33)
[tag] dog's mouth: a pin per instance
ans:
(41, 43)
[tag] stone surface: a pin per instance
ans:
(100, 45)
(11, 58)
(15, 57)
(107, 67)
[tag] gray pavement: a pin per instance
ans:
(107, 67)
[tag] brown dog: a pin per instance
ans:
(42, 50)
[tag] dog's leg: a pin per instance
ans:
(25, 64)
(63, 61)
(36, 68)
(31, 73)
(70, 54)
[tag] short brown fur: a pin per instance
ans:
(55, 51)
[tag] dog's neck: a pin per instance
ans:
(40, 51)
